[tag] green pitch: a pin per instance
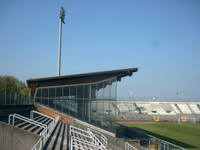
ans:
(185, 135)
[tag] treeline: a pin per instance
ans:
(12, 84)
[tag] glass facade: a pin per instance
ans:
(91, 102)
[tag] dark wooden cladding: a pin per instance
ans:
(79, 78)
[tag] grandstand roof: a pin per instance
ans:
(80, 78)
(111, 73)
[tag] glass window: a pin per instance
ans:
(73, 92)
(93, 91)
(107, 90)
(58, 92)
(52, 92)
(79, 91)
(86, 91)
(66, 91)
(113, 89)
(45, 92)
(99, 93)
(38, 94)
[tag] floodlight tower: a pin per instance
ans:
(61, 20)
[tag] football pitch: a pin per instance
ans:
(184, 135)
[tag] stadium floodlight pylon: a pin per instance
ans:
(61, 21)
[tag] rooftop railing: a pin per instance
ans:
(12, 98)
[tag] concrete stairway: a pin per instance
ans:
(56, 136)
(32, 128)
(58, 139)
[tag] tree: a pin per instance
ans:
(12, 84)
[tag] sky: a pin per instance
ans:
(159, 37)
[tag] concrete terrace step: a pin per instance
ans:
(28, 126)
(50, 143)
(58, 138)
(33, 128)
(23, 123)
(36, 128)
(65, 139)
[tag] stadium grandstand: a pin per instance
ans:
(81, 112)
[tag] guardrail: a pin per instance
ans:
(50, 126)
(166, 144)
(46, 129)
(96, 140)
(37, 145)
(128, 146)
(82, 145)
(12, 98)
(79, 136)
(100, 136)
(43, 133)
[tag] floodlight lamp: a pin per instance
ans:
(62, 15)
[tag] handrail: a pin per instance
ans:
(36, 144)
(96, 140)
(102, 137)
(43, 133)
(92, 139)
(46, 129)
(128, 146)
(72, 128)
(82, 145)
(79, 131)
(49, 126)
(165, 142)
(25, 119)
(55, 121)
(33, 111)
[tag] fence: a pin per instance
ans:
(12, 98)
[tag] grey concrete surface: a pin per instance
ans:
(13, 138)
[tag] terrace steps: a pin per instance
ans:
(58, 138)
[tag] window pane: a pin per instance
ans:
(113, 89)
(86, 91)
(107, 90)
(52, 92)
(45, 92)
(73, 92)
(100, 90)
(93, 91)
(58, 91)
(66, 91)
(80, 92)
(38, 94)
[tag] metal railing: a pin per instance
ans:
(50, 126)
(43, 133)
(80, 137)
(97, 141)
(128, 146)
(12, 98)
(46, 129)
(78, 144)
(37, 145)
(168, 145)
(100, 136)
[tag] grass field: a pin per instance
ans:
(185, 135)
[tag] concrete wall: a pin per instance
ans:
(53, 113)
(5, 110)
(13, 138)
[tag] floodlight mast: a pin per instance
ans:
(61, 21)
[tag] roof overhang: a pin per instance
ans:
(87, 77)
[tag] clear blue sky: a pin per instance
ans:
(160, 37)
